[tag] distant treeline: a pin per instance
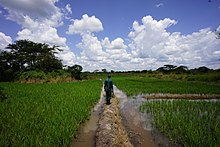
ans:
(166, 69)
(27, 61)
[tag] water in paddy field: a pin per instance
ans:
(137, 124)
(86, 134)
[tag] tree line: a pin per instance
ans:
(24, 56)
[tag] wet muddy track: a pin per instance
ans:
(111, 131)
(118, 124)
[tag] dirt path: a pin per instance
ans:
(118, 124)
(111, 131)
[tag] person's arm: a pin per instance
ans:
(105, 83)
(112, 85)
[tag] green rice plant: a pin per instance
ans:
(45, 114)
(190, 123)
(133, 85)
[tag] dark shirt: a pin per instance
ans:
(108, 85)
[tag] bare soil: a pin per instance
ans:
(111, 131)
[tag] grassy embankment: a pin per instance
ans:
(45, 114)
(185, 122)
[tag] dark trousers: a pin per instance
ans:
(108, 96)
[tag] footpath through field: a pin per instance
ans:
(117, 124)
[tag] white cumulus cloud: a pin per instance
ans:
(151, 41)
(150, 46)
(149, 38)
(84, 25)
(116, 49)
(4, 41)
(35, 9)
(91, 47)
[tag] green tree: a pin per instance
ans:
(203, 69)
(25, 55)
(104, 70)
(75, 71)
(167, 68)
(8, 66)
(181, 69)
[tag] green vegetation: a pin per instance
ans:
(190, 123)
(45, 114)
(27, 61)
(35, 76)
(142, 83)
(25, 55)
(75, 71)
(213, 76)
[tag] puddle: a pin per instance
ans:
(86, 134)
(137, 124)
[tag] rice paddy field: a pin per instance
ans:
(189, 123)
(134, 85)
(184, 122)
(45, 114)
(49, 114)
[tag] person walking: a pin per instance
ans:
(108, 86)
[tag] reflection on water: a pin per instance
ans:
(138, 124)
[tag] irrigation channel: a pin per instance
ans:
(120, 124)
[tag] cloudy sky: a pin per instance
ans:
(118, 34)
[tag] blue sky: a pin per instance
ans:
(118, 34)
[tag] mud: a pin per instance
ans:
(110, 131)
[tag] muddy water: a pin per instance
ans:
(137, 124)
(86, 134)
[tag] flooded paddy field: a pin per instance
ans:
(147, 123)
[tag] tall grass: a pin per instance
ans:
(190, 123)
(45, 114)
